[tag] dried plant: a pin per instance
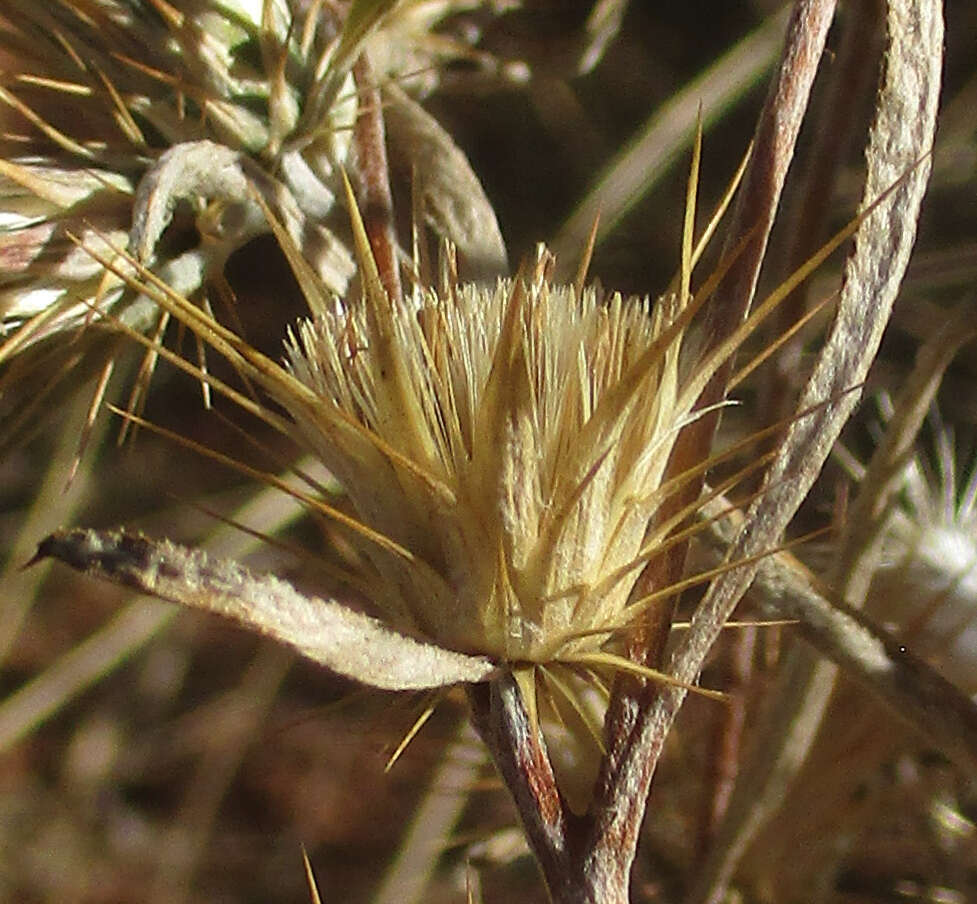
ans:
(153, 126)
(521, 462)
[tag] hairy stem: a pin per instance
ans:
(640, 715)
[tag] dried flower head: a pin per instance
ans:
(504, 450)
(510, 440)
(927, 589)
(151, 124)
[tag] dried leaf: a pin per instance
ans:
(327, 632)
(205, 170)
(454, 200)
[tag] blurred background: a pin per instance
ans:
(148, 755)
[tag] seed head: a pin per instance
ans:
(504, 448)
(928, 588)
(512, 438)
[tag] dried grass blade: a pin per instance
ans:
(629, 177)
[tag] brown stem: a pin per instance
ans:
(855, 65)
(728, 734)
(840, 111)
(519, 753)
(372, 178)
(753, 216)
(640, 715)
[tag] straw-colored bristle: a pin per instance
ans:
(530, 480)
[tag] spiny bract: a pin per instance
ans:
(511, 440)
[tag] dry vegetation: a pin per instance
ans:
(156, 756)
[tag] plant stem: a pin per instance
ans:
(640, 715)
